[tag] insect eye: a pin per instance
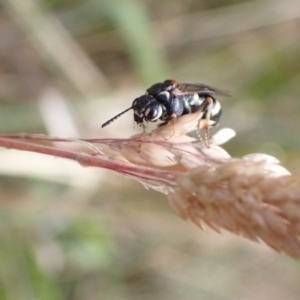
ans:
(153, 113)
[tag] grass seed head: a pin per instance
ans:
(252, 196)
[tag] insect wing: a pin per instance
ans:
(189, 88)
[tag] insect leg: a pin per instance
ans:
(145, 128)
(174, 116)
(204, 123)
(207, 119)
(171, 122)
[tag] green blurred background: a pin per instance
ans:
(68, 232)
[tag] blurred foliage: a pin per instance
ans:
(67, 66)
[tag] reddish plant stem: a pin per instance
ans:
(141, 172)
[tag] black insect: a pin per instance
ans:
(168, 100)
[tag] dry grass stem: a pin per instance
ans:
(252, 196)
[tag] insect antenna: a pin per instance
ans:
(116, 117)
